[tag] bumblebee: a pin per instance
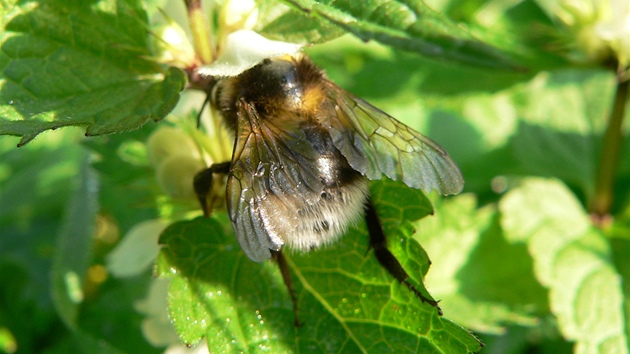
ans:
(304, 153)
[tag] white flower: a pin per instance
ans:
(614, 29)
(599, 28)
(137, 251)
(171, 45)
(243, 50)
(238, 14)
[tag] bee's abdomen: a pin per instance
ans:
(332, 167)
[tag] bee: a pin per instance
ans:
(304, 153)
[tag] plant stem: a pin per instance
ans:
(602, 200)
(202, 38)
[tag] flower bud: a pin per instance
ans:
(167, 141)
(171, 46)
(176, 174)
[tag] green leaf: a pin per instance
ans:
(71, 63)
(347, 301)
(573, 260)
(470, 278)
(35, 187)
(113, 318)
(621, 249)
(561, 119)
(217, 292)
(128, 183)
(73, 252)
(278, 21)
(409, 25)
(44, 171)
(549, 126)
(87, 343)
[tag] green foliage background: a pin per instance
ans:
(517, 258)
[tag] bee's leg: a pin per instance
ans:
(202, 183)
(286, 277)
(205, 103)
(378, 242)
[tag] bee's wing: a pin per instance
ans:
(375, 143)
(268, 180)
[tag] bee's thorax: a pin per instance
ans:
(282, 88)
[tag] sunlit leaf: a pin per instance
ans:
(66, 64)
(409, 25)
(347, 301)
(573, 260)
(470, 279)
